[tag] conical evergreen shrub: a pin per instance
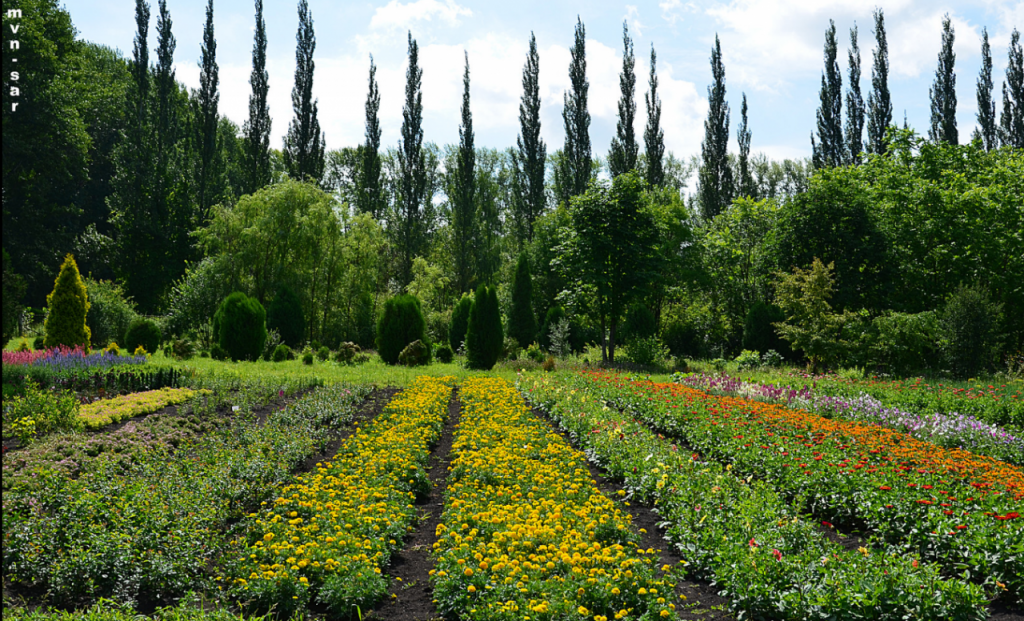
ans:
(240, 326)
(68, 304)
(460, 321)
(484, 335)
(400, 324)
(522, 325)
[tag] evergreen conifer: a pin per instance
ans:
(522, 324)
(68, 306)
(484, 335)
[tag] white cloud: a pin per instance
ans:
(671, 10)
(633, 17)
(395, 15)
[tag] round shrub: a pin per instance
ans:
(68, 304)
(307, 355)
(969, 331)
(323, 353)
(445, 354)
(240, 326)
(110, 312)
(347, 352)
(400, 324)
(639, 323)
(281, 353)
(142, 332)
(533, 352)
(460, 322)
(39, 342)
(484, 335)
(284, 313)
(415, 354)
(647, 351)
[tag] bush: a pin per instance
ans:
(552, 317)
(549, 364)
(113, 349)
(415, 354)
(143, 332)
(284, 314)
(771, 358)
(240, 326)
(110, 312)
(758, 332)
(361, 358)
(522, 325)
(484, 334)
(748, 360)
(445, 353)
(182, 349)
(273, 340)
(307, 355)
(39, 342)
(533, 352)
(969, 331)
(68, 306)
(347, 352)
(639, 323)
(647, 351)
(401, 324)
(323, 353)
(39, 412)
(904, 344)
(460, 322)
(510, 349)
(281, 353)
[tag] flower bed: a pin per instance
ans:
(325, 537)
(107, 411)
(741, 534)
(526, 533)
(152, 526)
(949, 430)
(958, 509)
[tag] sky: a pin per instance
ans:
(772, 51)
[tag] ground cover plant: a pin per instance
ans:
(743, 535)
(526, 533)
(147, 531)
(952, 507)
(104, 412)
(950, 430)
(325, 537)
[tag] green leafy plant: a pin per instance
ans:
(748, 360)
(240, 326)
(307, 356)
(533, 352)
(68, 305)
(400, 324)
(110, 311)
(281, 353)
(323, 353)
(969, 331)
(415, 354)
(143, 332)
(460, 322)
(347, 352)
(638, 323)
(759, 330)
(41, 411)
(445, 354)
(646, 351)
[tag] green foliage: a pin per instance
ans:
(110, 312)
(554, 315)
(68, 305)
(284, 313)
(304, 144)
(639, 323)
(240, 326)
(281, 353)
(969, 331)
(323, 353)
(445, 354)
(646, 351)
(460, 322)
(510, 349)
(40, 412)
(715, 182)
(534, 352)
(400, 324)
(694, 328)
(484, 334)
(143, 332)
(347, 352)
(825, 337)
(307, 356)
(904, 344)
(759, 329)
(13, 289)
(195, 296)
(415, 354)
(748, 360)
(522, 325)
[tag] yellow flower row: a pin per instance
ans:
(108, 411)
(525, 532)
(327, 535)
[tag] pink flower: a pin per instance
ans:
(753, 544)
(777, 554)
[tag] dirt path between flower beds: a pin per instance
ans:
(410, 596)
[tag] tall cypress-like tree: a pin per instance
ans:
(714, 180)
(576, 155)
(854, 105)
(463, 195)
(879, 102)
(531, 150)
(257, 127)
(654, 136)
(829, 150)
(987, 129)
(410, 227)
(522, 325)
(746, 180)
(1012, 119)
(209, 97)
(943, 90)
(622, 154)
(304, 145)
(370, 200)
(166, 88)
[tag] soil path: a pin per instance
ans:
(410, 596)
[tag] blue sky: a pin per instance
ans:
(772, 51)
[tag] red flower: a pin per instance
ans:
(753, 544)
(885, 488)
(777, 554)
(914, 564)
(827, 524)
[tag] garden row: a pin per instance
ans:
(946, 428)
(743, 534)
(143, 526)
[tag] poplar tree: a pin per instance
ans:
(369, 199)
(409, 230)
(463, 194)
(1012, 118)
(166, 87)
(531, 151)
(987, 130)
(854, 105)
(576, 155)
(828, 150)
(943, 90)
(622, 154)
(743, 139)
(654, 136)
(257, 127)
(304, 145)
(209, 97)
(879, 102)
(714, 181)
